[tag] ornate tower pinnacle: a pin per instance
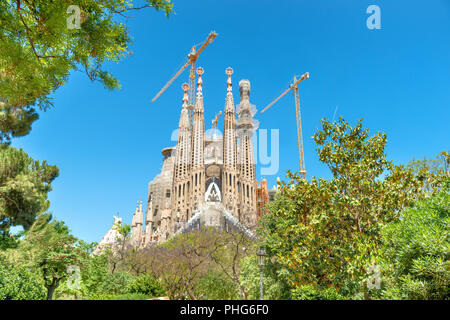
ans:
(244, 90)
(229, 72)
(136, 224)
(200, 71)
(185, 88)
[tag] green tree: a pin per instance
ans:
(274, 280)
(115, 283)
(215, 285)
(416, 250)
(95, 270)
(310, 292)
(51, 249)
(41, 44)
(122, 248)
(432, 172)
(17, 283)
(190, 265)
(94, 273)
(327, 231)
(439, 165)
(146, 285)
(24, 185)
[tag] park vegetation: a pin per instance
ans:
(43, 41)
(374, 230)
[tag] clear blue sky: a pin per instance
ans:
(107, 144)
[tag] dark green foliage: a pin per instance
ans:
(132, 296)
(124, 296)
(51, 249)
(24, 185)
(214, 285)
(275, 279)
(94, 274)
(17, 283)
(8, 240)
(309, 292)
(416, 251)
(146, 285)
(115, 283)
(324, 232)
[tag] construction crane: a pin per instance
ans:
(294, 86)
(214, 123)
(192, 58)
(216, 120)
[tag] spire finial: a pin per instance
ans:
(200, 71)
(229, 72)
(244, 89)
(185, 88)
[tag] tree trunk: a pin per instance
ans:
(50, 291)
(51, 288)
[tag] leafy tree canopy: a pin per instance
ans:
(326, 231)
(41, 42)
(49, 249)
(24, 185)
(17, 283)
(416, 250)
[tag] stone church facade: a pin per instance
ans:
(207, 178)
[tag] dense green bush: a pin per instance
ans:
(132, 296)
(416, 251)
(19, 284)
(99, 296)
(124, 296)
(274, 280)
(115, 283)
(215, 285)
(309, 292)
(146, 285)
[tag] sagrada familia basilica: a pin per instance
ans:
(206, 179)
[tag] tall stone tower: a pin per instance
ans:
(159, 200)
(198, 149)
(230, 171)
(136, 225)
(182, 177)
(247, 167)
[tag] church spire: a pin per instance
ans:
(136, 224)
(230, 172)
(180, 194)
(198, 146)
(198, 125)
(246, 162)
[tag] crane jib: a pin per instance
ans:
(192, 56)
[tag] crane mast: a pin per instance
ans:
(301, 157)
(294, 87)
